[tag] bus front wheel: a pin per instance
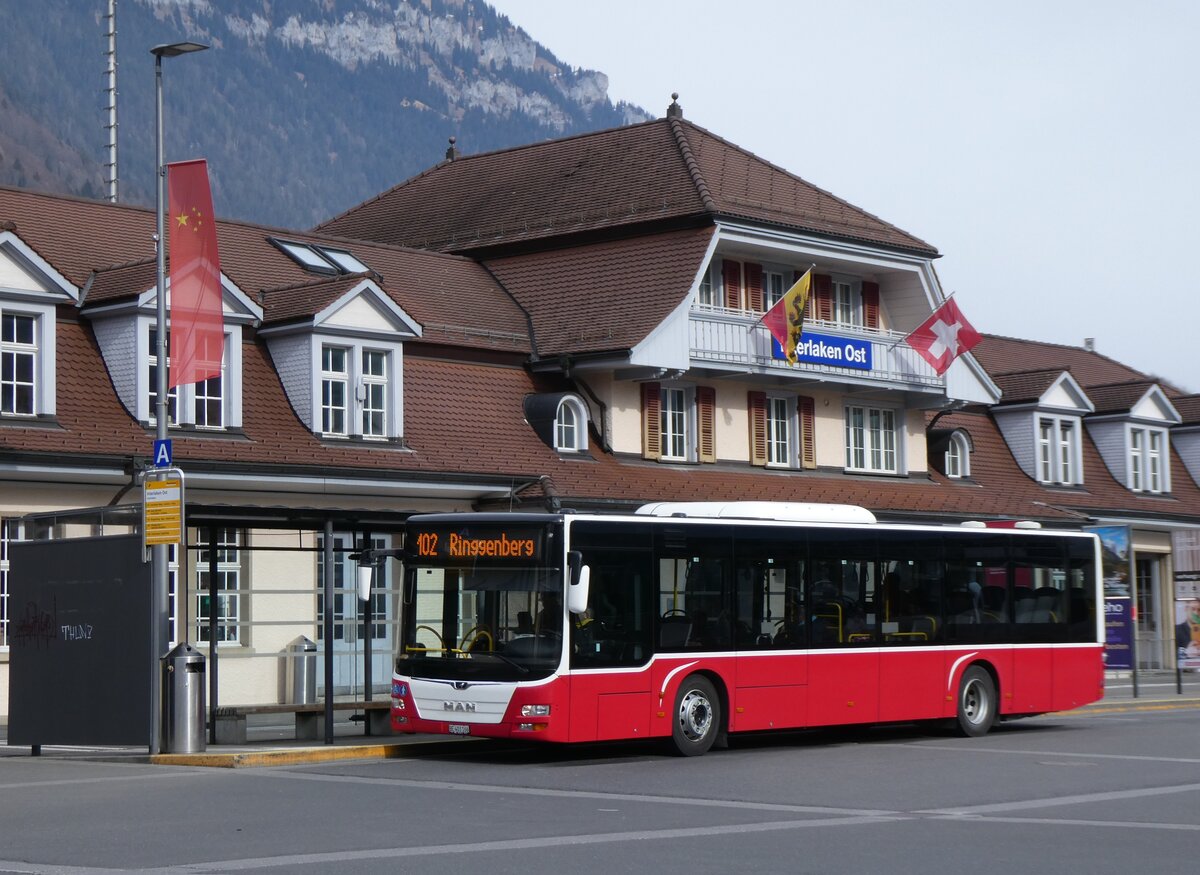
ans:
(697, 716)
(976, 702)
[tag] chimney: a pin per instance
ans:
(675, 110)
(1089, 343)
(452, 153)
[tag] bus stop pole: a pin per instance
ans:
(212, 634)
(328, 629)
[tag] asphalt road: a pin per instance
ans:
(1113, 790)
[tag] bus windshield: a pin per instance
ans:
(481, 603)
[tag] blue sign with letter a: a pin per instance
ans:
(162, 453)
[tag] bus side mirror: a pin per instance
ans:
(581, 575)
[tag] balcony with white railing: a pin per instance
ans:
(736, 340)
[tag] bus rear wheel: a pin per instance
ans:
(976, 702)
(697, 716)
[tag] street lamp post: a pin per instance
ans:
(159, 577)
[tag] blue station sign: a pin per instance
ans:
(825, 349)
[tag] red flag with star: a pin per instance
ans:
(197, 322)
(943, 337)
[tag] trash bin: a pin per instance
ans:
(301, 672)
(183, 700)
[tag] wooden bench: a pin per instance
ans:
(231, 720)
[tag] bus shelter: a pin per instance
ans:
(268, 594)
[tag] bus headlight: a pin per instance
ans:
(535, 710)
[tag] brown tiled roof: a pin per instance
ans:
(997, 488)
(603, 296)
(1025, 386)
(663, 171)
(1006, 355)
(1188, 407)
(114, 283)
(493, 441)
(306, 299)
(1118, 397)
(454, 296)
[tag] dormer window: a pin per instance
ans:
(1059, 461)
(367, 371)
(958, 457)
(18, 364)
(30, 289)
(559, 419)
(208, 404)
(341, 363)
(1147, 459)
(570, 426)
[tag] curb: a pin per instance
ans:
(301, 756)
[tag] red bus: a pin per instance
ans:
(695, 620)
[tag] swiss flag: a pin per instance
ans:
(943, 337)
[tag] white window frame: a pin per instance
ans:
(15, 349)
(677, 423)
(707, 291)
(775, 286)
(10, 533)
(185, 398)
(958, 457)
(846, 306)
(570, 425)
(873, 441)
(1059, 454)
(331, 379)
(782, 428)
(230, 598)
(42, 349)
(361, 387)
(372, 393)
(1148, 455)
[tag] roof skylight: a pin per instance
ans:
(321, 259)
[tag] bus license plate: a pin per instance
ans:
(460, 729)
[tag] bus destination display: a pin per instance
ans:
(449, 545)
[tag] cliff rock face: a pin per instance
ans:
(301, 108)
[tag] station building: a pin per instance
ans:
(573, 323)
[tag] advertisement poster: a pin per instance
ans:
(1187, 632)
(1118, 595)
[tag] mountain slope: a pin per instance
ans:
(301, 108)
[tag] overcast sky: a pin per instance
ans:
(1049, 150)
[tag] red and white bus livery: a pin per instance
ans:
(691, 621)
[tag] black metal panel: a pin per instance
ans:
(80, 662)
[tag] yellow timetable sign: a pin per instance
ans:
(163, 512)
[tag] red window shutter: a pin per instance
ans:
(808, 416)
(870, 297)
(754, 286)
(651, 420)
(823, 293)
(706, 413)
(756, 405)
(731, 274)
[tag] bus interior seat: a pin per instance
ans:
(924, 625)
(524, 623)
(674, 631)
